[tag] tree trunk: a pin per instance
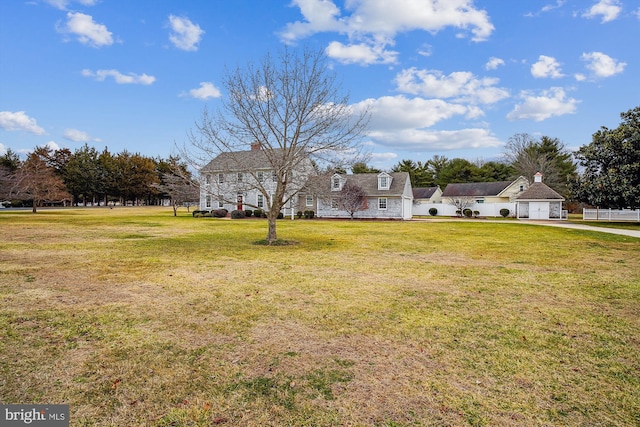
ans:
(175, 209)
(272, 217)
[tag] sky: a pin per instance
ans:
(454, 78)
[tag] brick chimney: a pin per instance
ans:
(256, 146)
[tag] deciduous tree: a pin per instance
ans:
(352, 198)
(293, 106)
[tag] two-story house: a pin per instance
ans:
(248, 179)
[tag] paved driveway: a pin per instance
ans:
(564, 224)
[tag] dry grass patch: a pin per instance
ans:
(134, 317)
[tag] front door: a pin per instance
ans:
(239, 202)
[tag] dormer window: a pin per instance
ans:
(336, 183)
(384, 181)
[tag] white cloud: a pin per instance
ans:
(207, 90)
(52, 145)
(383, 157)
(549, 103)
(402, 123)
(3, 149)
(608, 9)
(15, 121)
(87, 31)
(376, 22)
(493, 63)
(131, 78)
(62, 4)
(546, 67)
(360, 54)
(461, 86)
(602, 65)
(185, 34)
(398, 112)
(76, 135)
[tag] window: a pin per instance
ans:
(382, 203)
(220, 204)
(260, 176)
(335, 183)
(207, 179)
(480, 201)
(383, 182)
(220, 178)
(309, 200)
(260, 201)
(274, 177)
(240, 177)
(208, 202)
(521, 188)
(334, 203)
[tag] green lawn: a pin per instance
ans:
(138, 318)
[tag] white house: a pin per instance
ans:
(247, 179)
(388, 196)
(540, 202)
(487, 198)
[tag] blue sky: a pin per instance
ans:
(455, 78)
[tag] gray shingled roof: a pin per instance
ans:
(240, 161)
(475, 189)
(424, 192)
(539, 191)
(369, 183)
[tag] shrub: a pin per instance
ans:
(505, 212)
(280, 215)
(219, 213)
(199, 213)
(236, 214)
(476, 213)
(299, 214)
(309, 214)
(467, 212)
(248, 213)
(458, 212)
(258, 213)
(433, 211)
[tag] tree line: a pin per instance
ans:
(89, 177)
(604, 173)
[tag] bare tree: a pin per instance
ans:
(461, 203)
(293, 107)
(178, 185)
(352, 198)
(37, 181)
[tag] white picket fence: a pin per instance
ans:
(610, 215)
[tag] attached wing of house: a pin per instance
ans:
(487, 192)
(389, 195)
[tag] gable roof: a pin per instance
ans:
(475, 189)
(539, 191)
(239, 161)
(424, 192)
(369, 183)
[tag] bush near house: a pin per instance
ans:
(219, 213)
(467, 213)
(505, 212)
(248, 213)
(433, 211)
(236, 214)
(309, 214)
